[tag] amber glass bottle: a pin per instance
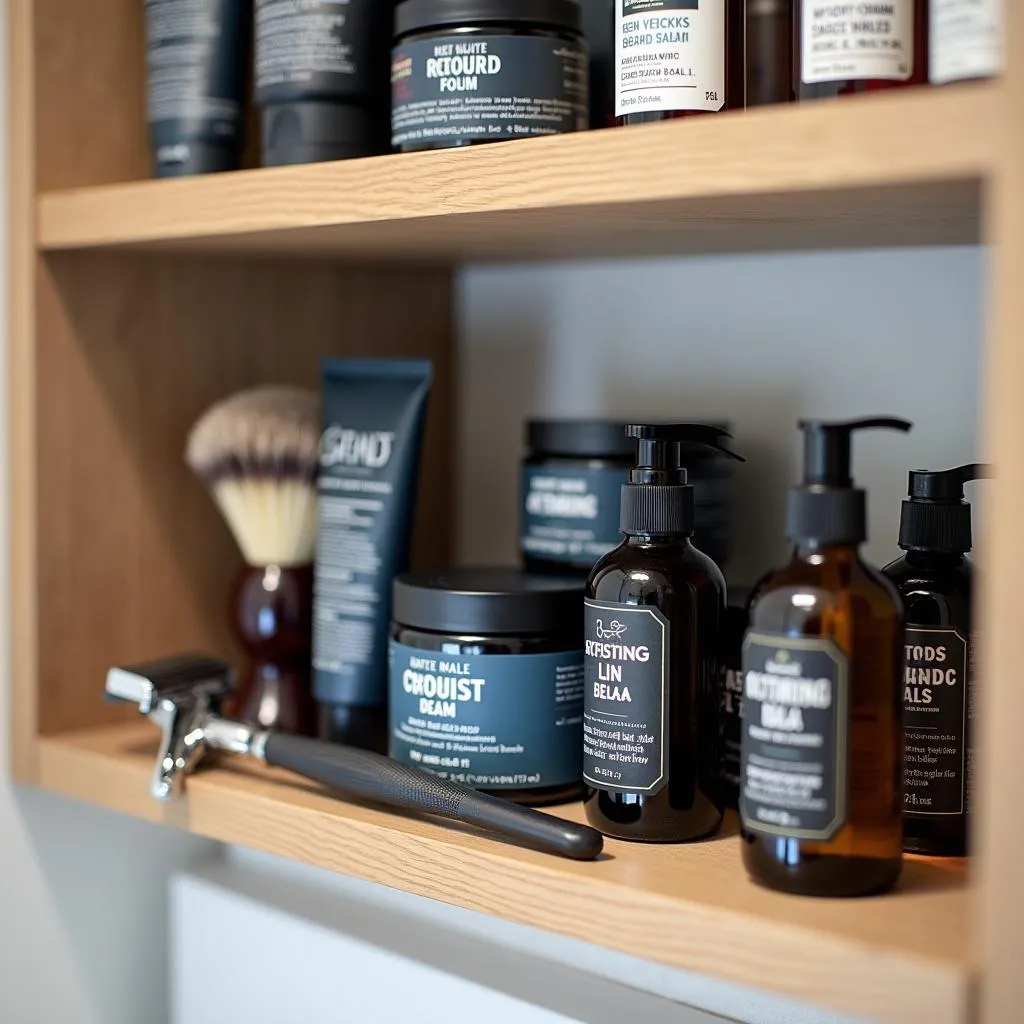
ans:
(653, 614)
(822, 766)
(838, 50)
(672, 62)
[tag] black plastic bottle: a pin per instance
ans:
(935, 580)
(653, 616)
(822, 748)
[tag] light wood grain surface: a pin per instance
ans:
(133, 559)
(890, 169)
(900, 958)
(999, 831)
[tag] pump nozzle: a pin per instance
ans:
(827, 447)
(936, 517)
(658, 499)
(827, 508)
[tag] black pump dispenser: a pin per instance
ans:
(827, 508)
(936, 517)
(658, 499)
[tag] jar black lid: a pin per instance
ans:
(591, 439)
(584, 439)
(416, 15)
(487, 601)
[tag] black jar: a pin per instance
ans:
(485, 681)
(454, 60)
(571, 486)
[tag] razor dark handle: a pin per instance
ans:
(372, 777)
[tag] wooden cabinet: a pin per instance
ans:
(136, 303)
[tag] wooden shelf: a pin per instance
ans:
(900, 958)
(904, 168)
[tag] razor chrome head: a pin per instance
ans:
(180, 694)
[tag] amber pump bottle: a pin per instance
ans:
(653, 613)
(822, 744)
(935, 580)
(678, 59)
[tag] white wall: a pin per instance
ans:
(83, 893)
(759, 340)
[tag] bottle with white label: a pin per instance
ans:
(677, 58)
(936, 581)
(846, 48)
(965, 40)
(821, 755)
(652, 621)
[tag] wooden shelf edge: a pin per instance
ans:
(561, 194)
(900, 958)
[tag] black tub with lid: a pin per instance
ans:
(571, 487)
(486, 680)
(471, 71)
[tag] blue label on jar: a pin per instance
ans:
(570, 515)
(491, 721)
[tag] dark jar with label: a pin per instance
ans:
(571, 486)
(839, 51)
(678, 59)
(486, 681)
(482, 71)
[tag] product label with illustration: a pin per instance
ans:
(321, 44)
(625, 710)
(669, 55)
(570, 515)
(481, 88)
(494, 721)
(935, 721)
(966, 39)
(795, 736)
(852, 41)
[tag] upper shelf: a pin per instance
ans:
(901, 958)
(897, 168)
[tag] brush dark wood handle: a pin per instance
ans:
(367, 776)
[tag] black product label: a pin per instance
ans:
(625, 704)
(731, 717)
(315, 45)
(195, 59)
(795, 775)
(570, 516)
(476, 88)
(935, 681)
(494, 721)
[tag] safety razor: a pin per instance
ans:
(183, 695)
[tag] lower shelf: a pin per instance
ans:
(900, 958)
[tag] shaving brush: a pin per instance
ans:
(257, 454)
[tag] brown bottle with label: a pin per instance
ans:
(653, 613)
(935, 580)
(822, 746)
(838, 50)
(674, 60)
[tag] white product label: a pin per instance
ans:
(669, 55)
(857, 40)
(966, 39)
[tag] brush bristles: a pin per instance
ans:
(257, 453)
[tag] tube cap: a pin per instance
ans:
(188, 157)
(658, 498)
(827, 508)
(936, 517)
(308, 133)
